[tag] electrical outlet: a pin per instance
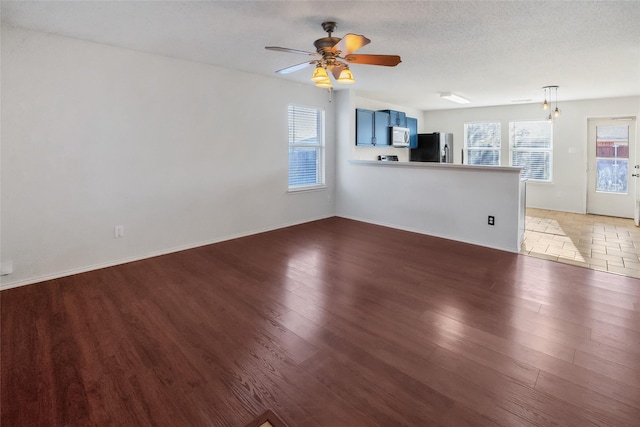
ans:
(118, 231)
(492, 220)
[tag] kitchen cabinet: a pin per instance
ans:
(364, 127)
(397, 118)
(381, 128)
(372, 127)
(412, 124)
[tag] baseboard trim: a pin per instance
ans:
(71, 272)
(415, 230)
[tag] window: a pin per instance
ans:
(612, 159)
(306, 147)
(482, 144)
(531, 149)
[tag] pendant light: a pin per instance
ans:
(545, 104)
(556, 112)
(551, 91)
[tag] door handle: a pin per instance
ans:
(635, 174)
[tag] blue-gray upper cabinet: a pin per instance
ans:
(364, 127)
(381, 128)
(397, 118)
(412, 124)
(372, 127)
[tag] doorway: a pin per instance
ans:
(612, 166)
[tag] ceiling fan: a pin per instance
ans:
(334, 54)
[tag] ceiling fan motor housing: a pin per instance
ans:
(325, 43)
(329, 27)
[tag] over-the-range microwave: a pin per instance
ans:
(399, 136)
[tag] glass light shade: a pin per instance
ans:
(545, 105)
(550, 118)
(319, 74)
(324, 83)
(556, 112)
(346, 78)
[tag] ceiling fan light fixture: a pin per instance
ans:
(330, 52)
(324, 83)
(319, 74)
(455, 98)
(346, 77)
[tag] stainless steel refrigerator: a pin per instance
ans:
(433, 147)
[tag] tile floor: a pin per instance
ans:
(592, 241)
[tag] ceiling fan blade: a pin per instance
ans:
(336, 69)
(297, 67)
(351, 43)
(386, 60)
(286, 49)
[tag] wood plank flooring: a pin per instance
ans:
(329, 323)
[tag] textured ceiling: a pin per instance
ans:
(493, 53)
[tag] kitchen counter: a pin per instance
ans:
(434, 165)
(483, 205)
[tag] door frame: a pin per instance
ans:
(635, 162)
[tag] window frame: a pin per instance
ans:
(319, 147)
(497, 149)
(513, 149)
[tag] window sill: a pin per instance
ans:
(306, 189)
(535, 181)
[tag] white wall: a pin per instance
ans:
(438, 200)
(567, 192)
(184, 154)
(179, 153)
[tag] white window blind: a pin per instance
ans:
(532, 148)
(482, 143)
(306, 147)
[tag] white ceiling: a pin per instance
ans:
(493, 53)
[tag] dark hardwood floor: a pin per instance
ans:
(334, 323)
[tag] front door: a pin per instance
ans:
(611, 185)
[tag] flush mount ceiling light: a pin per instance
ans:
(550, 92)
(455, 98)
